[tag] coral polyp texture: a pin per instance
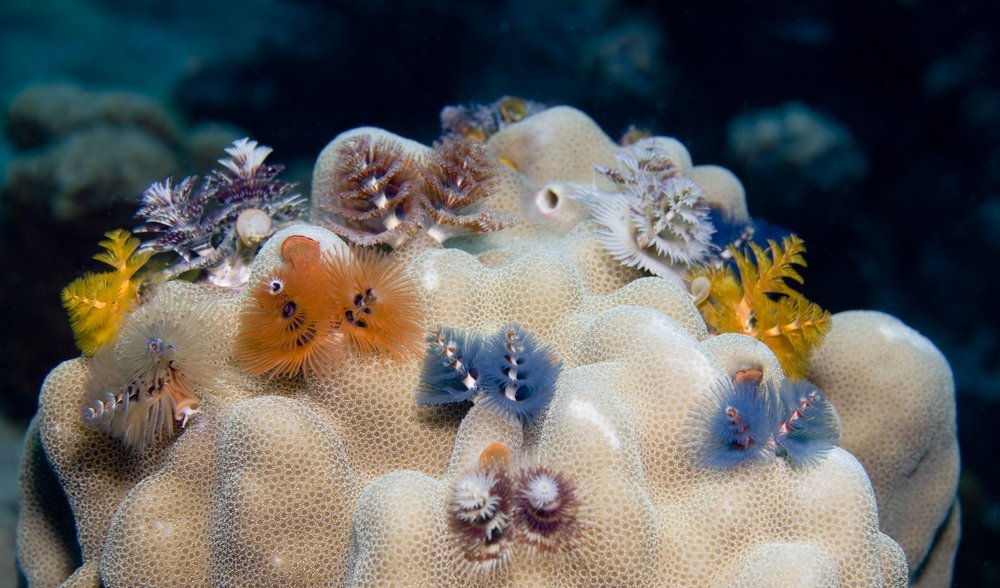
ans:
(525, 408)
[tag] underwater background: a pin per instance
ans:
(873, 132)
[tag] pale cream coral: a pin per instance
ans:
(723, 190)
(558, 144)
(896, 395)
(618, 427)
(266, 484)
(51, 554)
(340, 477)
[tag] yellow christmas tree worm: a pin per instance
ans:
(762, 302)
(97, 303)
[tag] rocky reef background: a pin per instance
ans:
(875, 135)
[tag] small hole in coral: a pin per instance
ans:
(551, 199)
(548, 200)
